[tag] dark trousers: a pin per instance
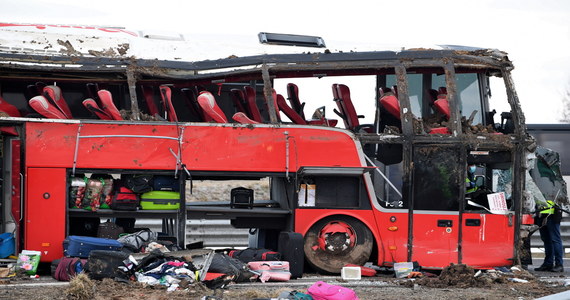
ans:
(553, 250)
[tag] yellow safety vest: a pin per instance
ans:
(549, 210)
(471, 190)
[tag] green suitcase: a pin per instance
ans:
(160, 200)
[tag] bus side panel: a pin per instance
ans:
(393, 227)
(489, 244)
(435, 240)
(45, 211)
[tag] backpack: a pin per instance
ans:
(67, 267)
(324, 291)
(294, 295)
(139, 183)
(255, 254)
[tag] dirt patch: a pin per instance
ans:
(461, 276)
(380, 287)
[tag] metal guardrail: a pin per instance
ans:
(213, 233)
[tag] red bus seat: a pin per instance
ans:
(442, 106)
(288, 111)
(54, 95)
(250, 97)
(293, 97)
(41, 105)
(346, 110)
(148, 95)
(93, 107)
(166, 95)
(242, 118)
(208, 104)
(9, 109)
(107, 104)
(238, 98)
(391, 104)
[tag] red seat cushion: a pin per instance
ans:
(208, 103)
(442, 106)
(243, 118)
(440, 130)
(391, 104)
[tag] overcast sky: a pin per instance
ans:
(536, 34)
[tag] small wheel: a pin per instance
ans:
(336, 241)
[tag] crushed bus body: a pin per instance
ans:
(387, 191)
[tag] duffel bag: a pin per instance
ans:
(135, 241)
(255, 254)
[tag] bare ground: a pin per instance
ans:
(457, 284)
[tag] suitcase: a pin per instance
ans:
(105, 264)
(271, 270)
(160, 200)
(109, 230)
(274, 265)
(165, 183)
(241, 198)
(81, 246)
(124, 199)
(290, 245)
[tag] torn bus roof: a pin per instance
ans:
(111, 47)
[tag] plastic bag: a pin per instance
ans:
(28, 261)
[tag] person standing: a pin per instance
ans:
(546, 174)
(549, 221)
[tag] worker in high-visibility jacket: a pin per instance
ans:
(470, 184)
(548, 219)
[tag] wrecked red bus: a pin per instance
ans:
(385, 189)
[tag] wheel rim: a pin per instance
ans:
(336, 238)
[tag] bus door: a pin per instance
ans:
(436, 188)
(483, 229)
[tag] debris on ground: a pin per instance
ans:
(463, 276)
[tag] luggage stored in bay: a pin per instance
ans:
(160, 200)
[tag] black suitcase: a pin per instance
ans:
(241, 198)
(290, 246)
(105, 264)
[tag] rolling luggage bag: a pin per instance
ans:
(290, 246)
(81, 246)
(160, 200)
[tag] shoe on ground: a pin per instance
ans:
(557, 269)
(543, 268)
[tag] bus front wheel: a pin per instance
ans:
(336, 241)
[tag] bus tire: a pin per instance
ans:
(336, 241)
